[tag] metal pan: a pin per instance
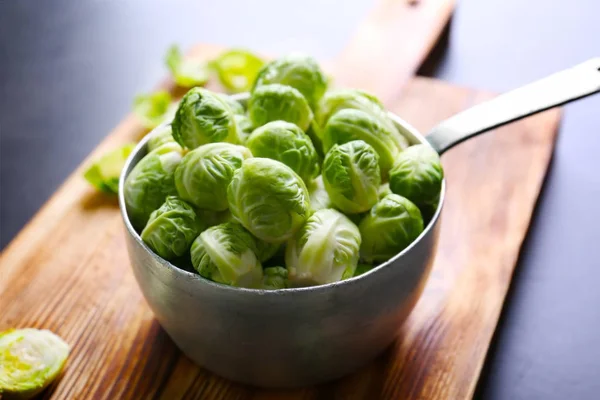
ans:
(304, 336)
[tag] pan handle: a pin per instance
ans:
(560, 88)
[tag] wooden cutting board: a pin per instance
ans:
(68, 269)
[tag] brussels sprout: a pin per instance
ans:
(224, 254)
(152, 109)
(269, 199)
(235, 105)
(150, 182)
(172, 228)
(160, 136)
(278, 102)
(275, 278)
(203, 117)
(319, 198)
(204, 173)
(417, 174)
(352, 177)
(237, 69)
(265, 250)
(30, 359)
(393, 224)
(384, 190)
(323, 250)
(104, 173)
(347, 125)
(244, 127)
(299, 71)
(428, 209)
(362, 268)
(285, 142)
(186, 73)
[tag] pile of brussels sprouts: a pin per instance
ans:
(299, 186)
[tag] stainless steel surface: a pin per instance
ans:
(560, 88)
(303, 336)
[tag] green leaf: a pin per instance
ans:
(237, 69)
(104, 173)
(186, 73)
(153, 108)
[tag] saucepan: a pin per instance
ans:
(304, 336)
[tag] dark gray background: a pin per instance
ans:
(69, 70)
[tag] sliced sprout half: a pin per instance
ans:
(104, 173)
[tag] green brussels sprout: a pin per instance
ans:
(347, 125)
(342, 99)
(323, 250)
(203, 117)
(265, 250)
(236, 107)
(275, 278)
(362, 268)
(204, 173)
(268, 198)
(352, 177)
(224, 254)
(150, 182)
(299, 71)
(278, 102)
(391, 225)
(244, 127)
(104, 173)
(152, 109)
(285, 142)
(160, 136)
(319, 198)
(384, 190)
(428, 209)
(237, 69)
(417, 174)
(172, 228)
(30, 359)
(186, 72)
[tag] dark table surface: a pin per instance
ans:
(69, 70)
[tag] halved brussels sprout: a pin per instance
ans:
(224, 254)
(160, 136)
(285, 142)
(236, 107)
(104, 173)
(269, 199)
(152, 109)
(278, 102)
(237, 69)
(275, 278)
(347, 125)
(204, 173)
(323, 250)
(203, 117)
(352, 177)
(391, 225)
(244, 127)
(150, 182)
(30, 359)
(297, 70)
(172, 228)
(417, 174)
(319, 198)
(186, 72)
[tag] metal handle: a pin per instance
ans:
(560, 88)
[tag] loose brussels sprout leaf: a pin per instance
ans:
(342, 99)
(224, 254)
(186, 73)
(204, 173)
(203, 117)
(384, 190)
(235, 106)
(104, 173)
(30, 359)
(244, 127)
(237, 69)
(275, 278)
(417, 175)
(319, 199)
(160, 136)
(152, 109)
(393, 224)
(269, 199)
(352, 177)
(285, 142)
(150, 182)
(172, 228)
(323, 250)
(278, 102)
(347, 125)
